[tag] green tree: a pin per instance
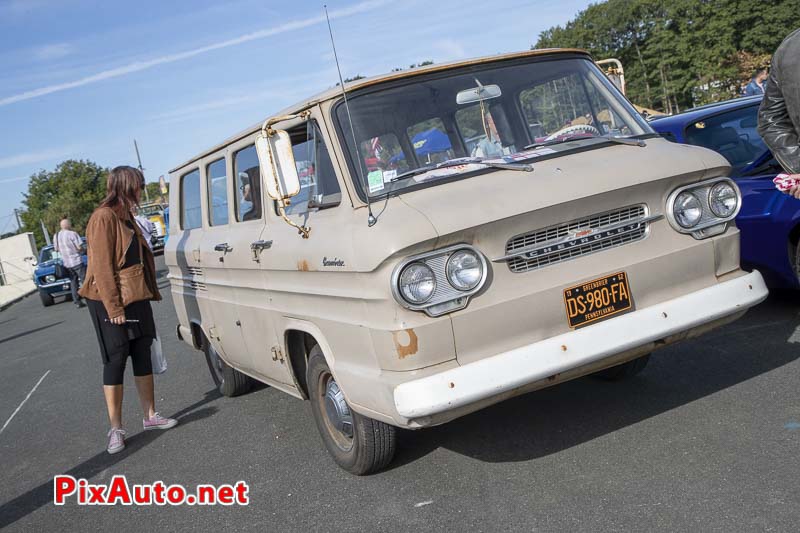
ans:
(680, 53)
(73, 189)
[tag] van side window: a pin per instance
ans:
(319, 187)
(217, 183)
(248, 184)
(191, 212)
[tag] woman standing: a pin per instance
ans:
(120, 282)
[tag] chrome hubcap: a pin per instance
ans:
(337, 410)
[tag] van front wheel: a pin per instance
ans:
(358, 444)
(228, 380)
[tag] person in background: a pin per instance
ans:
(68, 243)
(147, 228)
(756, 85)
(779, 113)
(116, 245)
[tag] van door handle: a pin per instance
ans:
(223, 247)
(256, 248)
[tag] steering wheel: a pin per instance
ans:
(577, 128)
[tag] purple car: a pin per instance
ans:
(769, 220)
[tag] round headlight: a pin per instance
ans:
(464, 270)
(50, 278)
(687, 210)
(417, 283)
(722, 199)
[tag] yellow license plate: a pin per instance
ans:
(597, 300)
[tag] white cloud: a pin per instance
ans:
(450, 49)
(50, 52)
(181, 113)
(11, 180)
(28, 158)
(171, 58)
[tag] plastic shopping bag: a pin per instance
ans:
(157, 356)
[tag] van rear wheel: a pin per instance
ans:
(358, 444)
(625, 370)
(228, 380)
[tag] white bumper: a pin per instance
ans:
(508, 370)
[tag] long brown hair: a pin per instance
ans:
(122, 189)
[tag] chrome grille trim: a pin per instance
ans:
(584, 236)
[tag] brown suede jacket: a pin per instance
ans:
(107, 239)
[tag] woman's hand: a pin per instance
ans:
(118, 320)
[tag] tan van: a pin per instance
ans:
(447, 237)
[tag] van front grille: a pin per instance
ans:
(556, 244)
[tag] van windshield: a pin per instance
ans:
(502, 112)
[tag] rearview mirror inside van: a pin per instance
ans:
(277, 165)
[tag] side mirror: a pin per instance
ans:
(276, 161)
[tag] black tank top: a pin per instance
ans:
(132, 254)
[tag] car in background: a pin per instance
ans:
(154, 212)
(769, 220)
(49, 286)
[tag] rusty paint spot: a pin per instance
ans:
(552, 378)
(303, 266)
(563, 347)
(452, 385)
(750, 287)
(405, 342)
(665, 315)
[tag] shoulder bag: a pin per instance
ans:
(132, 281)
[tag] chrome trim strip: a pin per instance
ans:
(523, 253)
(54, 284)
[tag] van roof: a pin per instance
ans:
(335, 91)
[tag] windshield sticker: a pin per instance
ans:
(375, 180)
(389, 175)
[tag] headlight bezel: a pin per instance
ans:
(447, 270)
(709, 224)
(711, 192)
(699, 205)
(446, 298)
(400, 279)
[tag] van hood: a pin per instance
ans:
(493, 196)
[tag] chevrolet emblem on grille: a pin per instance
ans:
(581, 237)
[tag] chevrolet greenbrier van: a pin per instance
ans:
(445, 238)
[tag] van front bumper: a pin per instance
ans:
(498, 374)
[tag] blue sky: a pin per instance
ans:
(82, 78)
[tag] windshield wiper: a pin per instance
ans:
(618, 140)
(463, 161)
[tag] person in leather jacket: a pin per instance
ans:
(779, 114)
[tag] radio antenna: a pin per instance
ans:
(371, 220)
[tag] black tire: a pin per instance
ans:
(625, 370)
(371, 445)
(47, 300)
(795, 259)
(228, 380)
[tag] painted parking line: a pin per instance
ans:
(23, 402)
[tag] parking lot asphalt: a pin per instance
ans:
(707, 438)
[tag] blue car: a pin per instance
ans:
(769, 220)
(45, 276)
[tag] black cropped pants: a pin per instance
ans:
(139, 351)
